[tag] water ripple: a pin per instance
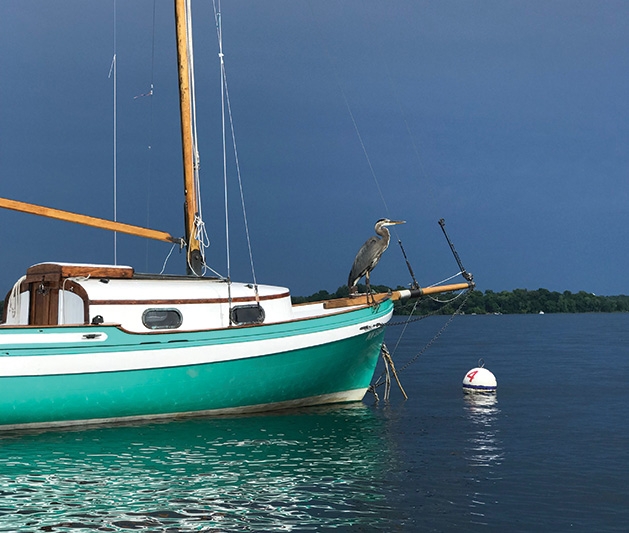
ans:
(319, 468)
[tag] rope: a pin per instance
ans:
(202, 237)
(167, 258)
(390, 366)
(439, 333)
(379, 382)
(14, 305)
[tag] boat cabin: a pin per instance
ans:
(54, 294)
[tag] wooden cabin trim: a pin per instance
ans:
(240, 299)
(43, 286)
(46, 271)
(72, 286)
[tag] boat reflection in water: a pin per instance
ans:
(319, 467)
(484, 451)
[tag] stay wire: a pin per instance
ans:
(149, 177)
(363, 146)
(113, 70)
(351, 114)
(226, 106)
(434, 339)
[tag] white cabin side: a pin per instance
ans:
(142, 305)
(58, 293)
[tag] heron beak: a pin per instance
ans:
(395, 222)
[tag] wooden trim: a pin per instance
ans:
(362, 299)
(189, 301)
(44, 303)
(72, 286)
(57, 271)
(185, 110)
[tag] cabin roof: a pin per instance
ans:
(119, 283)
(190, 289)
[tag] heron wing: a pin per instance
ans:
(365, 260)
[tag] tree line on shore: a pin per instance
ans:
(518, 301)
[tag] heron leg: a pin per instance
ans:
(367, 282)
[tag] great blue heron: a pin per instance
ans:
(369, 254)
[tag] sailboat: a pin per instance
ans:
(88, 343)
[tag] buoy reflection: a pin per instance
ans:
(485, 448)
(483, 451)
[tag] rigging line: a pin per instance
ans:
(199, 226)
(445, 280)
(403, 114)
(113, 69)
(227, 104)
(219, 36)
(351, 114)
(149, 177)
(239, 175)
(193, 100)
(242, 195)
(378, 382)
(406, 324)
(364, 149)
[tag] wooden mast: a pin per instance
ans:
(191, 208)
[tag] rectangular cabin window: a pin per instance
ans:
(247, 314)
(162, 318)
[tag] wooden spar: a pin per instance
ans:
(191, 209)
(86, 220)
(402, 295)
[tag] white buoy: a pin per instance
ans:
(480, 379)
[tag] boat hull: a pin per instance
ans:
(89, 376)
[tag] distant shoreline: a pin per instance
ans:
(516, 302)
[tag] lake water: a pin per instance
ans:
(550, 452)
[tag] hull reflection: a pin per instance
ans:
(315, 468)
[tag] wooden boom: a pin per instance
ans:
(85, 220)
(402, 295)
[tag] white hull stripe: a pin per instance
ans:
(52, 338)
(182, 355)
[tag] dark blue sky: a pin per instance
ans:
(508, 119)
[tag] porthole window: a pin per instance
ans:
(247, 314)
(162, 318)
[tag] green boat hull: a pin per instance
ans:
(337, 371)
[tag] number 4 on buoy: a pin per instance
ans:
(471, 374)
(479, 379)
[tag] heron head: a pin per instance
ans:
(386, 222)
